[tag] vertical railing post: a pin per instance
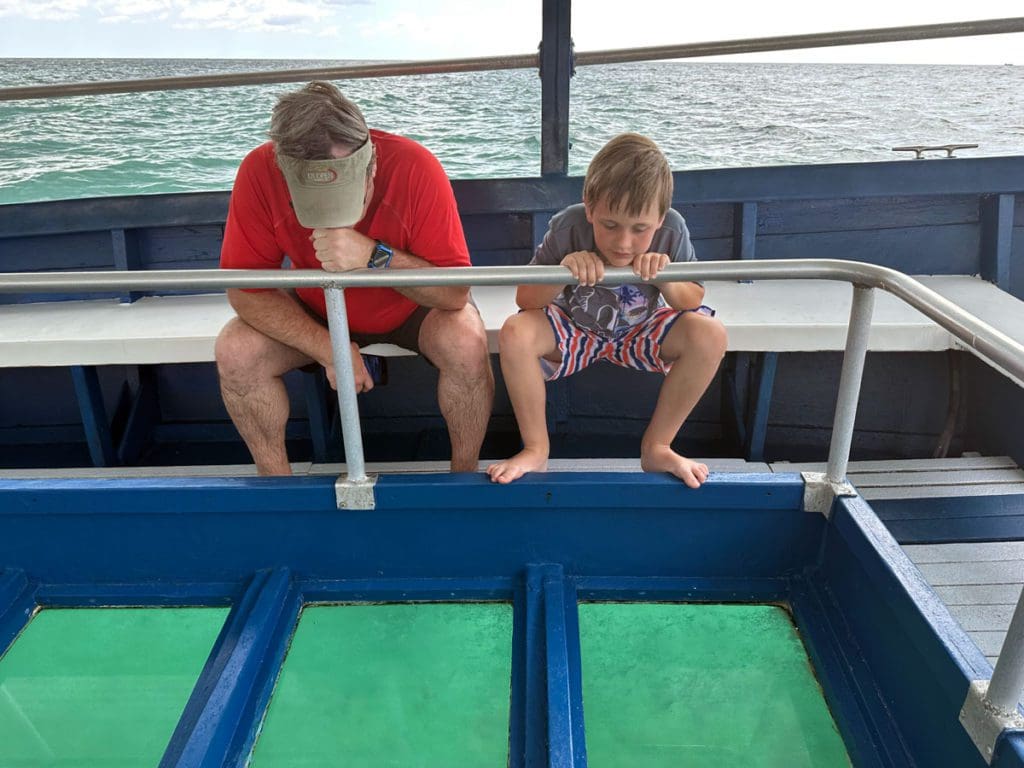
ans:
(1007, 684)
(990, 708)
(344, 377)
(555, 72)
(849, 382)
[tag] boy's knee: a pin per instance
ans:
(510, 335)
(518, 334)
(716, 337)
(699, 335)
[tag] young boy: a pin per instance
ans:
(624, 221)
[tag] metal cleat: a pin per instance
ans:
(919, 149)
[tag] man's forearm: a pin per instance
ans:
(442, 297)
(280, 316)
(343, 249)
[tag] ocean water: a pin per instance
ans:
(487, 124)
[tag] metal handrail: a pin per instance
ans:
(991, 343)
(998, 699)
(525, 61)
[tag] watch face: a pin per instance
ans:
(381, 257)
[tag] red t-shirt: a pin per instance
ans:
(413, 209)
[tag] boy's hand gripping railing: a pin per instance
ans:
(991, 705)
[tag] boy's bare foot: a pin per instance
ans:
(527, 460)
(661, 458)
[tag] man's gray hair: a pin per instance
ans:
(306, 123)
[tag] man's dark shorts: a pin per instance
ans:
(407, 336)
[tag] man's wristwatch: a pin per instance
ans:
(380, 258)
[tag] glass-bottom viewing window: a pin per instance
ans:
(101, 686)
(696, 685)
(404, 684)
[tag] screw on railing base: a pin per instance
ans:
(355, 494)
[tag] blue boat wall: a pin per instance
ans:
(957, 217)
(893, 665)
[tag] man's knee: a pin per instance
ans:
(243, 354)
(234, 348)
(455, 338)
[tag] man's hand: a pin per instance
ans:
(586, 266)
(341, 249)
(648, 265)
(362, 377)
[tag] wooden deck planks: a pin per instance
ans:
(880, 480)
(979, 583)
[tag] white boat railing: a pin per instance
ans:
(991, 706)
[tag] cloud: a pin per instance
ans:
(283, 21)
(134, 8)
(186, 14)
(43, 10)
(251, 14)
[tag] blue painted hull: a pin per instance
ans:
(893, 664)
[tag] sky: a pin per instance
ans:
(441, 29)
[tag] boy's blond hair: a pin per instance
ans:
(630, 173)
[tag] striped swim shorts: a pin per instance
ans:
(639, 347)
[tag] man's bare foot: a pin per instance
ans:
(661, 458)
(527, 460)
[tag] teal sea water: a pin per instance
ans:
(487, 124)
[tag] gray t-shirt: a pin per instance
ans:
(609, 310)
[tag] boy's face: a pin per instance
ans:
(619, 237)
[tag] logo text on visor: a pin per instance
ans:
(326, 176)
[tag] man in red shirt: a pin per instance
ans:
(328, 193)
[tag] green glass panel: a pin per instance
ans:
(698, 685)
(393, 685)
(101, 687)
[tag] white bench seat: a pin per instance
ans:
(769, 315)
(157, 329)
(812, 315)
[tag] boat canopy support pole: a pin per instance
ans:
(991, 705)
(556, 68)
(354, 490)
(821, 490)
